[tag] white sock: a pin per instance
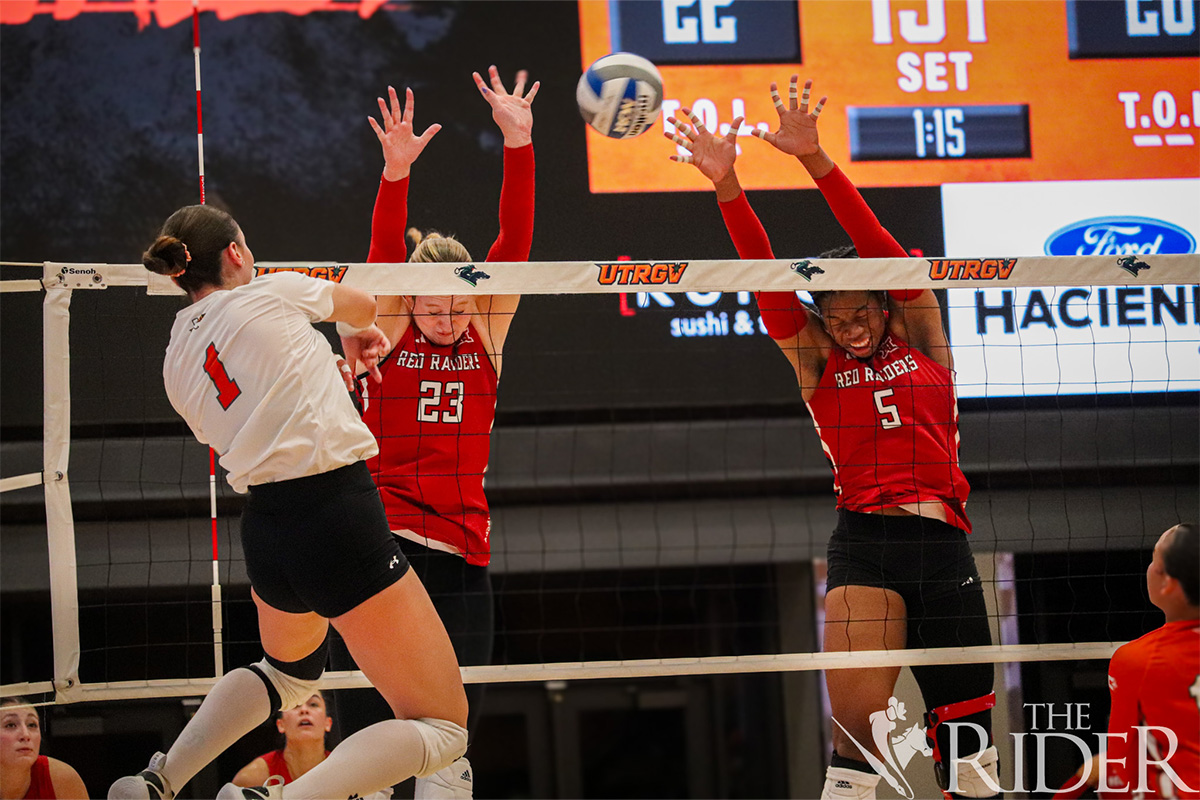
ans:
(237, 704)
(848, 784)
(377, 756)
(455, 782)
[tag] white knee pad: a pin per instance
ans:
(969, 781)
(848, 784)
(454, 782)
(444, 742)
(292, 691)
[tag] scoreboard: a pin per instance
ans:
(921, 92)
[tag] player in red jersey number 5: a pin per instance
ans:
(876, 372)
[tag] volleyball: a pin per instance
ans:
(620, 95)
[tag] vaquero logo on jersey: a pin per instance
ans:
(806, 269)
(334, 274)
(471, 275)
(965, 269)
(1119, 236)
(641, 273)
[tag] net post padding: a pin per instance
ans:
(644, 668)
(599, 277)
(60, 520)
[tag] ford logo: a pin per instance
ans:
(1119, 236)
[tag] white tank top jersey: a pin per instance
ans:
(254, 380)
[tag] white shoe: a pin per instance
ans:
(455, 782)
(149, 784)
(271, 790)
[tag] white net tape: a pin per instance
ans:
(589, 277)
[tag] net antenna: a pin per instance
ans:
(60, 281)
(218, 635)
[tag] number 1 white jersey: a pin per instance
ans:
(255, 381)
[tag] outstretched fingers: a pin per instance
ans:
(734, 127)
(375, 127)
(409, 107)
(816, 112)
(394, 102)
(384, 113)
(483, 89)
(697, 123)
(680, 135)
(429, 134)
(494, 77)
(792, 92)
(779, 109)
(766, 136)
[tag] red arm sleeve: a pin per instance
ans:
(516, 207)
(871, 239)
(781, 311)
(389, 222)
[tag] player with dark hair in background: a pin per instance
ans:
(876, 372)
(1154, 683)
(433, 407)
(254, 380)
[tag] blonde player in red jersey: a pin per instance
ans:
(1154, 682)
(876, 372)
(433, 408)
(253, 379)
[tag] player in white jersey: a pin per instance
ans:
(253, 378)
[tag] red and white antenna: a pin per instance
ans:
(218, 635)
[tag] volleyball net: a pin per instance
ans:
(658, 541)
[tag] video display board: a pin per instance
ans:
(922, 92)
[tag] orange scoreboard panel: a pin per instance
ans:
(921, 92)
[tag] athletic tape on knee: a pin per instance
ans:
(286, 691)
(969, 775)
(444, 742)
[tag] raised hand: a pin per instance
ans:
(712, 155)
(797, 134)
(512, 112)
(401, 146)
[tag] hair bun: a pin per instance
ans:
(167, 256)
(416, 236)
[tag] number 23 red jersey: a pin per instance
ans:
(432, 417)
(889, 426)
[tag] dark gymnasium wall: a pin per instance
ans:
(98, 146)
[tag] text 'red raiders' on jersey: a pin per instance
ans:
(889, 426)
(254, 380)
(433, 418)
